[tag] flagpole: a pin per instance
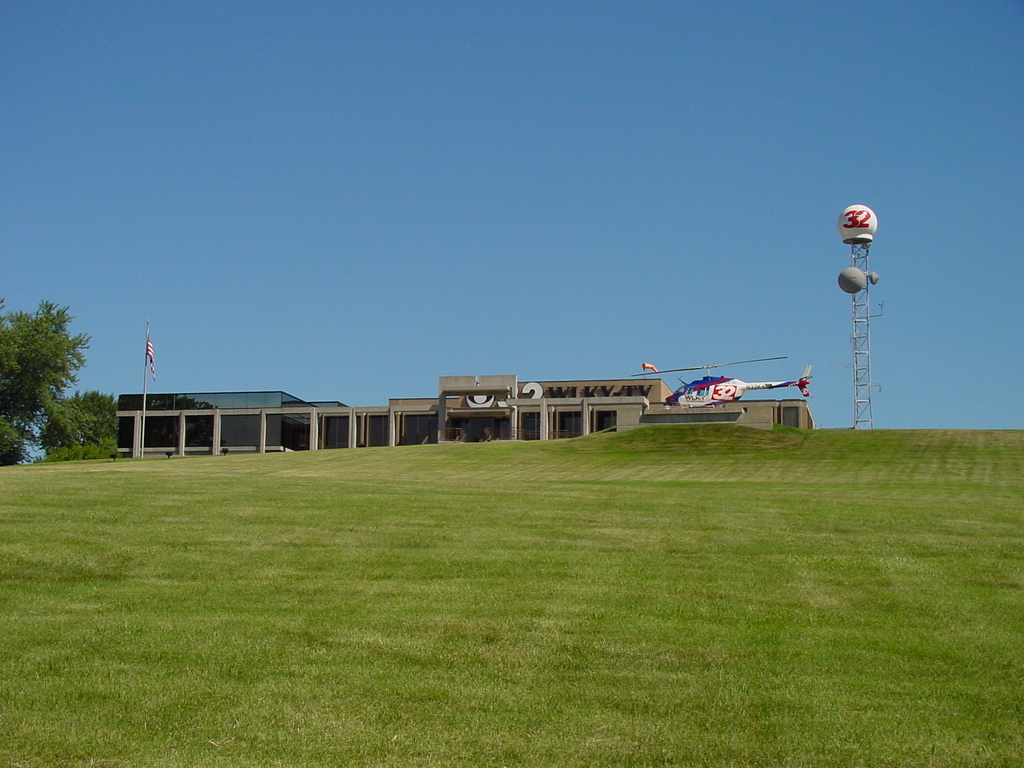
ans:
(145, 384)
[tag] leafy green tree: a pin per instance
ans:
(78, 453)
(83, 426)
(39, 359)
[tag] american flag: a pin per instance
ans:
(150, 356)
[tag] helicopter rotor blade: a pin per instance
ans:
(740, 362)
(718, 365)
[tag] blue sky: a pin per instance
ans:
(347, 200)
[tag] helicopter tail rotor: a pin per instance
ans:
(804, 381)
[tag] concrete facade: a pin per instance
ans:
(466, 409)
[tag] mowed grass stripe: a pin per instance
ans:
(691, 596)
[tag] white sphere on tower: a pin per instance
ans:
(857, 224)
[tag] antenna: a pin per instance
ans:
(857, 225)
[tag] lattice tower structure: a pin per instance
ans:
(861, 340)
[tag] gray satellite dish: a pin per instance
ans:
(853, 280)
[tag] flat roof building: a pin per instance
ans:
(466, 409)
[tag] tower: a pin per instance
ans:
(857, 225)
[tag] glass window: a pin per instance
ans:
(480, 429)
(791, 416)
(529, 426)
(238, 430)
(129, 403)
(419, 428)
(206, 400)
(570, 424)
(192, 403)
(377, 430)
(125, 431)
(252, 400)
(199, 431)
(334, 432)
(288, 430)
(161, 432)
(604, 420)
(159, 402)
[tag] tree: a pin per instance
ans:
(83, 426)
(39, 359)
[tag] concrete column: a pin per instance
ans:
(585, 417)
(137, 437)
(544, 417)
(181, 434)
(442, 417)
(216, 432)
(353, 428)
(262, 447)
(314, 430)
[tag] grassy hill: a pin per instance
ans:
(693, 595)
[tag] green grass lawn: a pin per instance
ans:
(695, 596)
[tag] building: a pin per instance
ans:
(466, 409)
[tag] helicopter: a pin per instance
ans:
(712, 390)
